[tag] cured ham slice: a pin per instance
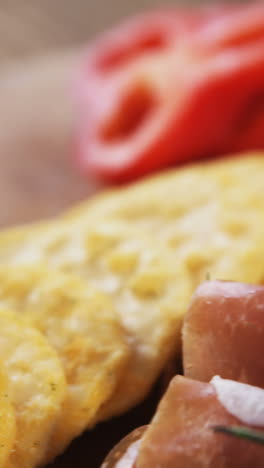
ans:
(223, 333)
(181, 433)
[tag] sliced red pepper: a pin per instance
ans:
(149, 33)
(158, 91)
(252, 135)
(233, 29)
(236, 100)
(112, 106)
(238, 30)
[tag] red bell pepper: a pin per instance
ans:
(233, 28)
(237, 31)
(172, 87)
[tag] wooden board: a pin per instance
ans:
(38, 178)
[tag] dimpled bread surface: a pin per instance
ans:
(7, 417)
(36, 386)
(80, 323)
(147, 292)
(149, 245)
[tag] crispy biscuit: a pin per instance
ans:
(83, 328)
(148, 292)
(7, 418)
(209, 215)
(36, 387)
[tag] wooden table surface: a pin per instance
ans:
(38, 177)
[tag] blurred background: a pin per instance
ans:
(41, 42)
(30, 27)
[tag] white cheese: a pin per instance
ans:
(243, 401)
(129, 458)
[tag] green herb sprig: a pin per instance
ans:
(241, 432)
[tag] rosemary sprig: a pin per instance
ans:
(241, 432)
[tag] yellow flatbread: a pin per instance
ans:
(7, 418)
(148, 292)
(36, 388)
(12, 238)
(209, 215)
(83, 328)
(149, 245)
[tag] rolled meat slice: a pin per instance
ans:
(124, 454)
(181, 433)
(223, 333)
